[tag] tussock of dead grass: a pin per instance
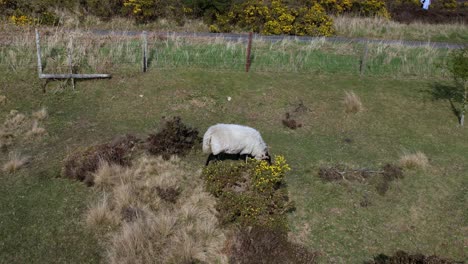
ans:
(100, 214)
(3, 99)
(15, 162)
(36, 130)
(40, 114)
(352, 103)
(152, 227)
(18, 126)
(416, 160)
(15, 121)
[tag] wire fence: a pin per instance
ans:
(112, 54)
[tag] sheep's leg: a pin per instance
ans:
(210, 158)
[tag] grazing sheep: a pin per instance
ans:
(234, 139)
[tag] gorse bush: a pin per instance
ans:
(149, 10)
(275, 18)
(262, 16)
(336, 6)
(250, 194)
(370, 8)
(22, 12)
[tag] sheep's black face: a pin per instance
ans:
(267, 157)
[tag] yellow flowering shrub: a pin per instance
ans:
(267, 176)
(370, 8)
(275, 18)
(449, 4)
(223, 23)
(149, 10)
(141, 10)
(251, 193)
(313, 21)
(336, 6)
(22, 20)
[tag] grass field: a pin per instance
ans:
(42, 214)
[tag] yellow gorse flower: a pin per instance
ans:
(22, 20)
(265, 175)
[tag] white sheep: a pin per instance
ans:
(236, 140)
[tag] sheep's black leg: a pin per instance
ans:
(210, 158)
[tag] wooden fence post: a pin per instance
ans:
(70, 61)
(362, 66)
(145, 52)
(38, 47)
(249, 48)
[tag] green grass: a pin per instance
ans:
(109, 53)
(41, 215)
(381, 28)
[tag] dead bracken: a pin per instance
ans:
(81, 164)
(174, 138)
(388, 173)
(401, 257)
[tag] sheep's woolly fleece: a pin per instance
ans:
(234, 139)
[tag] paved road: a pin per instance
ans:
(244, 37)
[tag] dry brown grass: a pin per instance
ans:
(416, 160)
(41, 114)
(164, 215)
(352, 103)
(3, 99)
(18, 127)
(15, 162)
(101, 215)
(36, 130)
(378, 27)
(15, 121)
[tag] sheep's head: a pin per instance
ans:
(266, 156)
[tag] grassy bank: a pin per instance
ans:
(381, 28)
(92, 53)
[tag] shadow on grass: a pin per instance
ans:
(451, 93)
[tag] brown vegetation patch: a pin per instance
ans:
(81, 164)
(18, 127)
(417, 160)
(291, 123)
(292, 117)
(174, 138)
(40, 114)
(341, 172)
(388, 173)
(15, 162)
(401, 257)
(156, 211)
(392, 172)
(168, 194)
(258, 245)
(352, 103)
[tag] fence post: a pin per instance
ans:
(38, 47)
(145, 52)
(249, 48)
(362, 66)
(70, 62)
